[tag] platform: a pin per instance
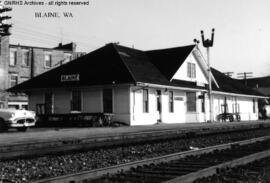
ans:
(55, 134)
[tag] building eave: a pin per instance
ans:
(168, 86)
(196, 89)
(238, 94)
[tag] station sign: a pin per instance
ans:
(70, 77)
(178, 98)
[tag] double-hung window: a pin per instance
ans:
(145, 101)
(76, 100)
(191, 70)
(254, 105)
(26, 57)
(48, 60)
(13, 79)
(107, 100)
(48, 103)
(12, 57)
(191, 102)
(171, 103)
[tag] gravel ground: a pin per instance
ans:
(256, 172)
(25, 170)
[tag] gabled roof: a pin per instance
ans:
(168, 61)
(102, 66)
(115, 64)
(258, 82)
(228, 84)
(139, 66)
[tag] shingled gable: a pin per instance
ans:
(168, 61)
(140, 67)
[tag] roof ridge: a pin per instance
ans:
(117, 51)
(171, 48)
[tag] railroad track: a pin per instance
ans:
(179, 167)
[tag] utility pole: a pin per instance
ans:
(207, 44)
(4, 27)
(244, 75)
(229, 74)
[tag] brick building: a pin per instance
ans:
(19, 63)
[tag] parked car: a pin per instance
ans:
(19, 119)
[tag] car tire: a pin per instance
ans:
(22, 129)
(2, 125)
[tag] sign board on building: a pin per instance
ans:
(178, 98)
(70, 77)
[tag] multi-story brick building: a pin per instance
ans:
(19, 63)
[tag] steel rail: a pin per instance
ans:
(97, 173)
(189, 178)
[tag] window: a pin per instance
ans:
(158, 96)
(26, 57)
(191, 70)
(191, 102)
(203, 103)
(171, 106)
(76, 103)
(48, 103)
(107, 100)
(13, 57)
(67, 57)
(254, 106)
(23, 79)
(13, 80)
(48, 60)
(145, 100)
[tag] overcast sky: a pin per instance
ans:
(241, 39)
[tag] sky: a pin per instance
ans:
(241, 37)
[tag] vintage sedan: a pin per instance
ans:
(19, 119)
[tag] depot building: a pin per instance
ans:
(140, 87)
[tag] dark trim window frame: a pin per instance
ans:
(145, 100)
(107, 96)
(13, 79)
(171, 102)
(76, 100)
(203, 103)
(49, 102)
(47, 59)
(191, 70)
(191, 101)
(26, 58)
(254, 105)
(12, 57)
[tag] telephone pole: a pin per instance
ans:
(4, 27)
(244, 75)
(229, 74)
(207, 44)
